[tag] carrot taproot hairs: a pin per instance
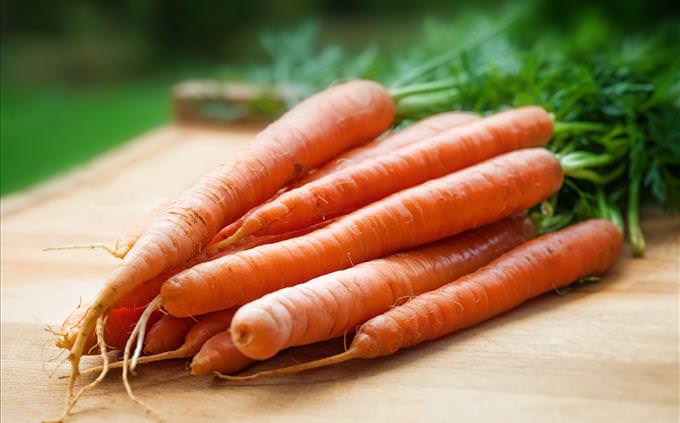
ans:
(534, 268)
(334, 304)
(437, 209)
(310, 134)
(356, 186)
(219, 354)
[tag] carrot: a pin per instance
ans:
(364, 183)
(167, 334)
(534, 268)
(219, 354)
(334, 304)
(440, 208)
(419, 131)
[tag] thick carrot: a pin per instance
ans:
(534, 268)
(440, 208)
(358, 185)
(167, 334)
(418, 131)
(334, 304)
(219, 354)
(311, 133)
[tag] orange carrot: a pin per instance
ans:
(334, 304)
(534, 268)
(364, 183)
(167, 334)
(219, 354)
(440, 208)
(419, 131)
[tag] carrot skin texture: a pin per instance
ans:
(419, 131)
(167, 334)
(534, 268)
(437, 209)
(334, 304)
(364, 183)
(305, 137)
(219, 354)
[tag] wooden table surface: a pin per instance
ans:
(606, 352)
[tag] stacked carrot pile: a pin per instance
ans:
(328, 224)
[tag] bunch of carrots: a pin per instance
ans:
(330, 223)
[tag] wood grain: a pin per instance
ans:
(606, 352)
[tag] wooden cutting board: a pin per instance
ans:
(606, 352)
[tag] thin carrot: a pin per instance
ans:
(334, 304)
(364, 183)
(311, 133)
(534, 268)
(219, 354)
(167, 334)
(440, 208)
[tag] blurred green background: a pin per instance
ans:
(81, 77)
